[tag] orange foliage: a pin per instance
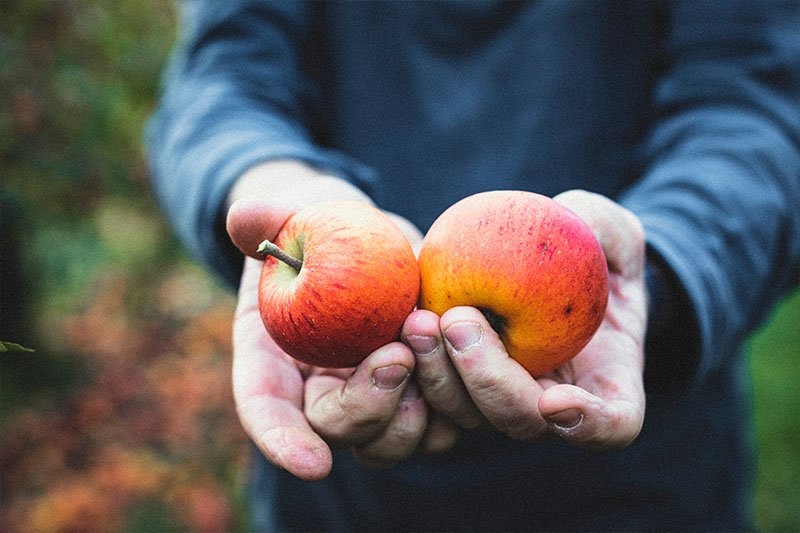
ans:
(154, 422)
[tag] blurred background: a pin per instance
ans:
(122, 418)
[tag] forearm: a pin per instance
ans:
(720, 187)
(225, 110)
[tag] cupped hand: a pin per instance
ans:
(293, 412)
(596, 400)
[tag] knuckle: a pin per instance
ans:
(523, 427)
(343, 424)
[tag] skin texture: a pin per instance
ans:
(449, 372)
(532, 266)
(358, 282)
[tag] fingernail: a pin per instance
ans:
(463, 335)
(389, 377)
(566, 420)
(422, 344)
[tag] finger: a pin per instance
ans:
(267, 390)
(282, 434)
(502, 390)
(251, 220)
(402, 435)
(438, 379)
(588, 421)
(356, 410)
(606, 406)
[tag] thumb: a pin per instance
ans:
(251, 220)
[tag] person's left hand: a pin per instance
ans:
(595, 400)
(293, 412)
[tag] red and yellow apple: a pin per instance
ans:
(531, 265)
(352, 281)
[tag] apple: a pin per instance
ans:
(531, 265)
(337, 283)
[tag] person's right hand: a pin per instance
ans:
(293, 412)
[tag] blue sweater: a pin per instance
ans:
(687, 113)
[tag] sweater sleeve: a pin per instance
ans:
(234, 95)
(720, 194)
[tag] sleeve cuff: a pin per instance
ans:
(672, 343)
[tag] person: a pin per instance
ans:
(671, 128)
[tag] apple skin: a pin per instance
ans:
(358, 282)
(531, 265)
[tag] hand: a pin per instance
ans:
(294, 412)
(595, 400)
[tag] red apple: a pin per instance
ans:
(353, 282)
(530, 264)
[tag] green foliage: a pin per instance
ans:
(776, 377)
(79, 79)
(78, 85)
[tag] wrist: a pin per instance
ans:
(292, 184)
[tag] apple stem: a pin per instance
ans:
(269, 248)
